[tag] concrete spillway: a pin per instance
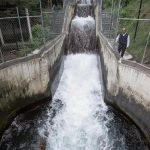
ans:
(80, 111)
(82, 36)
(77, 118)
(84, 10)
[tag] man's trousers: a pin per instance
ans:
(121, 49)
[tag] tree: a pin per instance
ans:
(24, 3)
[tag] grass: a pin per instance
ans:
(137, 45)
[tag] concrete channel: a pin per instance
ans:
(27, 80)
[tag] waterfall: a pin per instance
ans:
(82, 36)
(84, 10)
(80, 121)
(77, 117)
(84, 1)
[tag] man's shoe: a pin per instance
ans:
(120, 60)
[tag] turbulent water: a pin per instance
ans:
(84, 1)
(81, 121)
(77, 118)
(82, 37)
(84, 10)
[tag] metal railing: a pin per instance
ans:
(20, 34)
(115, 18)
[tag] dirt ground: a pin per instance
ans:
(9, 55)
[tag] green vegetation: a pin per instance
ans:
(8, 7)
(38, 33)
(37, 36)
(130, 9)
(16, 46)
(23, 3)
(139, 38)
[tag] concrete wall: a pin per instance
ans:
(69, 13)
(27, 80)
(68, 2)
(127, 84)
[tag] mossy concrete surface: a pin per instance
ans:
(12, 99)
(126, 83)
(28, 80)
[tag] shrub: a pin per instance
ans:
(37, 31)
(37, 36)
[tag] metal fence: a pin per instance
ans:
(23, 33)
(117, 17)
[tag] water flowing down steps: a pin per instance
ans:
(84, 10)
(82, 121)
(76, 125)
(77, 118)
(82, 36)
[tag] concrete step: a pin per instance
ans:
(106, 22)
(107, 32)
(106, 28)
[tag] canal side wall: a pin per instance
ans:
(27, 80)
(127, 84)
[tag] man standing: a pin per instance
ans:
(124, 40)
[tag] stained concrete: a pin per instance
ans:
(27, 80)
(127, 84)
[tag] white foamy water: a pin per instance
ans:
(82, 36)
(77, 118)
(85, 1)
(81, 22)
(80, 113)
